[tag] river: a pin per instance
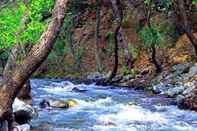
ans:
(107, 109)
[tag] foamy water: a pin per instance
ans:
(108, 109)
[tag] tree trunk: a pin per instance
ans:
(181, 12)
(11, 87)
(25, 93)
(11, 62)
(153, 48)
(115, 69)
(154, 59)
(118, 14)
(97, 49)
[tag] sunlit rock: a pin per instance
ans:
(19, 105)
(96, 76)
(175, 91)
(58, 103)
(193, 70)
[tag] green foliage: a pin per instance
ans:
(161, 5)
(151, 36)
(131, 72)
(79, 54)
(168, 31)
(194, 1)
(134, 52)
(38, 7)
(110, 44)
(36, 27)
(10, 21)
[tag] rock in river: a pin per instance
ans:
(58, 103)
(23, 112)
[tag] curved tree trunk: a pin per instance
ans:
(118, 14)
(11, 87)
(115, 68)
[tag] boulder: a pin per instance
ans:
(181, 68)
(22, 117)
(96, 76)
(179, 99)
(193, 70)
(190, 100)
(75, 89)
(161, 88)
(175, 91)
(189, 103)
(58, 103)
(23, 112)
(19, 105)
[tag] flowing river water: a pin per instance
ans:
(107, 108)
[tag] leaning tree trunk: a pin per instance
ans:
(11, 87)
(25, 93)
(181, 12)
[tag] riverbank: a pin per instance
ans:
(179, 82)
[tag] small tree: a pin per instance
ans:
(152, 39)
(150, 34)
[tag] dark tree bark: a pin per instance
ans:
(118, 14)
(115, 68)
(154, 59)
(10, 88)
(148, 11)
(2, 60)
(182, 13)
